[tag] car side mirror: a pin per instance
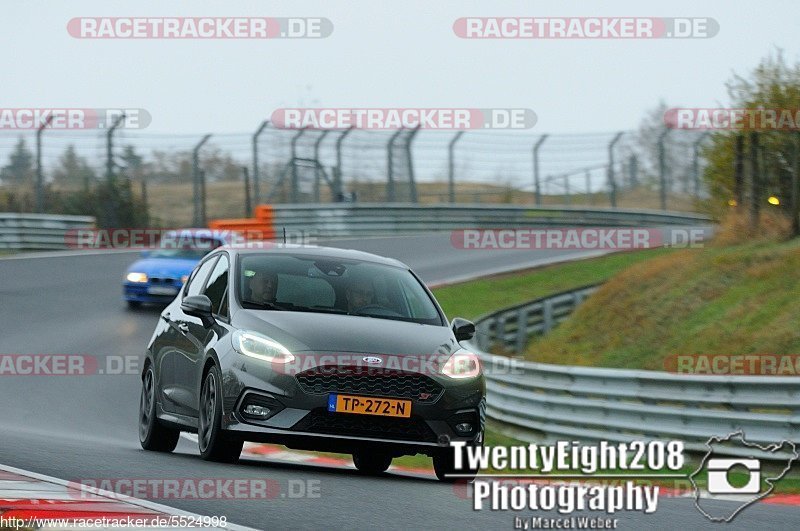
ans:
(198, 306)
(463, 329)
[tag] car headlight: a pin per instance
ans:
(136, 277)
(462, 364)
(261, 347)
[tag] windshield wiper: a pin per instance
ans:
(270, 305)
(289, 307)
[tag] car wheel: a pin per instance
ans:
(152, 434)
(133, 305)
(444, 465)
(371, 462)
(215, 445)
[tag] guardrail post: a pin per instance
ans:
(547, 316)
(522, 329)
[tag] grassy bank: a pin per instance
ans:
(475, 298)
(720, 300)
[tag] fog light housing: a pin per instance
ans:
(257, 407)
(464, 428)
(253, 410)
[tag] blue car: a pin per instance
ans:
(159, 275)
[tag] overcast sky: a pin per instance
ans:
(384, 54)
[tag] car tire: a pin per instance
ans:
(214, 443)
(134, 305)
(444, 466)
(372, 462)
(153, 435)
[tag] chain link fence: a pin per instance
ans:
(232, 172)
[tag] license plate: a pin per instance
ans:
(362, 405)
(161, 290)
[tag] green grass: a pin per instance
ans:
(718, 300)
(478, 297)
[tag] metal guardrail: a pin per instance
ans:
(533, 318)
(39, 231)
(538, 402)
(362, 219)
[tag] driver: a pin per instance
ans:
(360, 293)
(263, 286)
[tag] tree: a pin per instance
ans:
(773, 84)
(73, 171)
(20, 168)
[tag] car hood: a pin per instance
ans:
(176, 267)
(318, 332)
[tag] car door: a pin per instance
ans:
(203, 339)
(180, 391)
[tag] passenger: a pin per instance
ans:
(263, 287)
(360, 293)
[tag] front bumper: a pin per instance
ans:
(141, 292)
(299, 417)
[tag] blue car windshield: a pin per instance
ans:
(199, 248)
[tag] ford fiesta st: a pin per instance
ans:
(314, 348)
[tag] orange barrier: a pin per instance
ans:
(258, 228)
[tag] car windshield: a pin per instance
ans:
(326, 285)
(197, 250)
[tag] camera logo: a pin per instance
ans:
(718, 482)
(736, 470)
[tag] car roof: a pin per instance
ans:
(316, 251)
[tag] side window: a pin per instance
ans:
(216, 288)
(199, 278)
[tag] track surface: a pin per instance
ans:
(79, 427)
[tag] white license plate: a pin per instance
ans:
(161, 290)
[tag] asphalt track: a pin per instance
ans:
(84, 427)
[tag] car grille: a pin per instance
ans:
(393, 428)
(372, 381)
(163, 281)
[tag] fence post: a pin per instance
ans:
(451, 186)
(662, 169)
(39, 170)
(337, 174)
(696, 164)
(612, 182)
(198, 184)
(248, 207)
(755, 181)
(412, 183)
(256, 170)
(390, 163)
(536, 185)
(317, 196)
